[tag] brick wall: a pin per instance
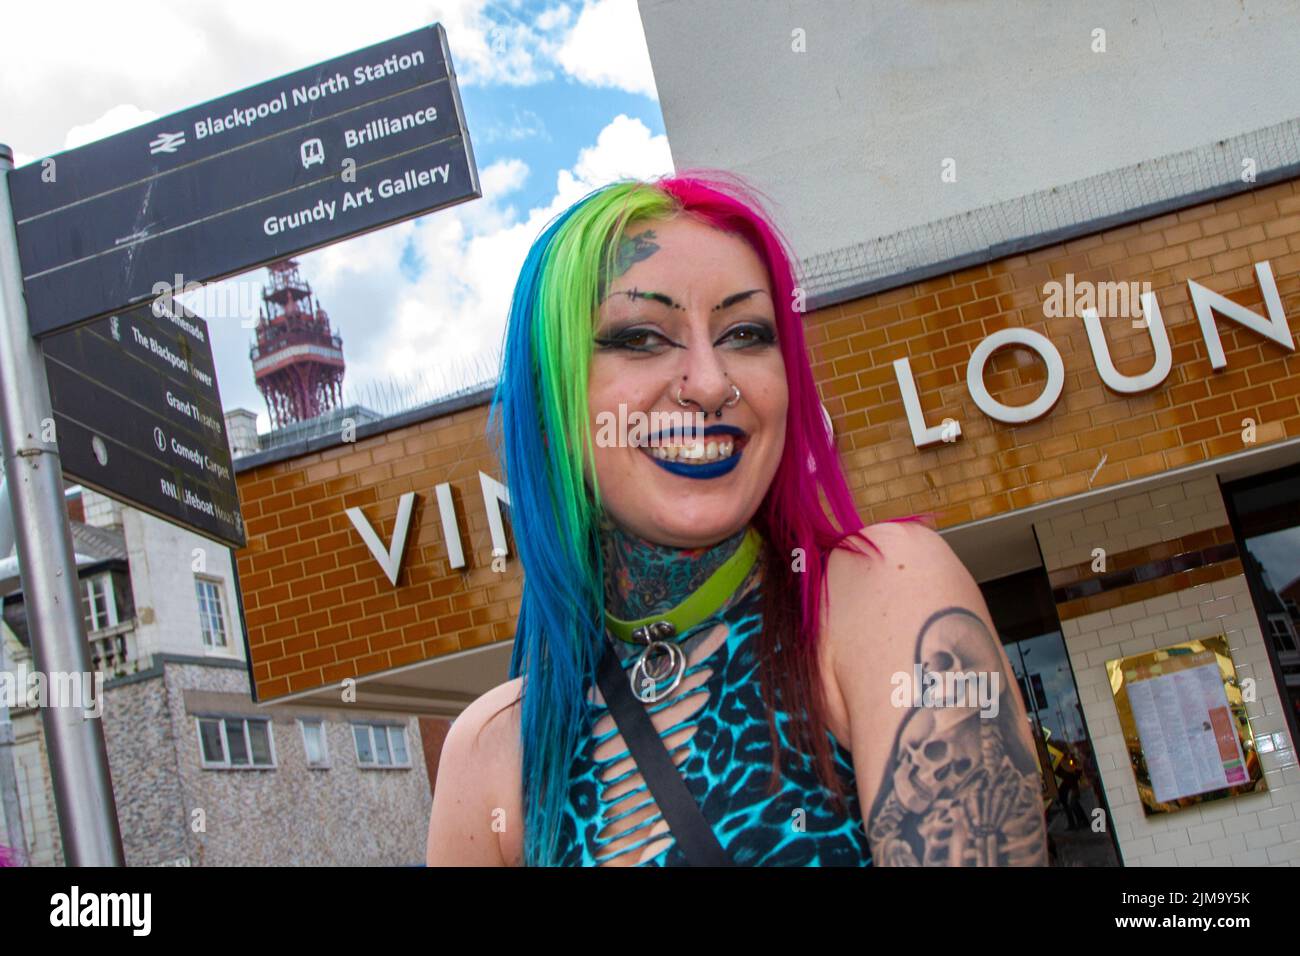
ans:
(994, 468)
(319, 608)
(75, 506)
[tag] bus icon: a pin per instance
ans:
(312, 151)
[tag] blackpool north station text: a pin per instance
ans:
(307, 93)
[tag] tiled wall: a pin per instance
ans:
(319, 608)
(1179, 603)
(994, 468)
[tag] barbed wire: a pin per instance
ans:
(1255, 154)
(389, 397)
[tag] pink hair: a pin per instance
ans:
(791, 515)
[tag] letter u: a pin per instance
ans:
(1113, 377)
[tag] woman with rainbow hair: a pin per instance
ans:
(764, 636)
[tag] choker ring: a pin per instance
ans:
(662, 658)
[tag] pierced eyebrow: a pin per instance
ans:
(731, 300)
(653, 297)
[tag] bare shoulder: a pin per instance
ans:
(887, 552)
(865, 583)
(477, 817)
(886, 579)
(931, 755)
(886, 592)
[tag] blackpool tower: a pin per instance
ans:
(298, 360)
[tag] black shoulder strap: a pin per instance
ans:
(689, 828)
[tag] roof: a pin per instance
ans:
(92, 545)
(305, 445)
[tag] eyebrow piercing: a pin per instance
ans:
(634, 293)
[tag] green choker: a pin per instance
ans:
(657, 631)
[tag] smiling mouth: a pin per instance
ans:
(719, 443)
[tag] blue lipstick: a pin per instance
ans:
(713, 469)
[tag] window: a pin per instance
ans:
(212, 619)
(313, 741)
(98, 606)
(235, 743)
(1282, 636)
(381, 745)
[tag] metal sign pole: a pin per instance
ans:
(15, 836)
(83, 790)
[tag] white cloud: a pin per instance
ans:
(623, 148)
(164, 57)
(504, 49)
(116, 120)
(607, 48)
(458, 308)
(554, 17)
(444, 319)
(524, 124)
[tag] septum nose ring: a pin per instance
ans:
(730, 403)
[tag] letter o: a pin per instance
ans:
(1015, 414)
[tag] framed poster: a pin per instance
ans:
(1184, 722)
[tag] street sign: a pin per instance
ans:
(338, 149)
(137, 415)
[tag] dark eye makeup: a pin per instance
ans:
(630, 339)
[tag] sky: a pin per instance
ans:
(559, 98)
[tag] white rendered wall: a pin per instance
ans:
(162, 558)
(848, 137)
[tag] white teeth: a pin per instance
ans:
(698, 452)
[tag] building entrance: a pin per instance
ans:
(1079, 828)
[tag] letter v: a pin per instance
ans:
(390, 561)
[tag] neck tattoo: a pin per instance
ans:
(644, 578)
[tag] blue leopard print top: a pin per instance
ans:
(728, 773)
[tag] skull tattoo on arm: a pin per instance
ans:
(962, 787)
